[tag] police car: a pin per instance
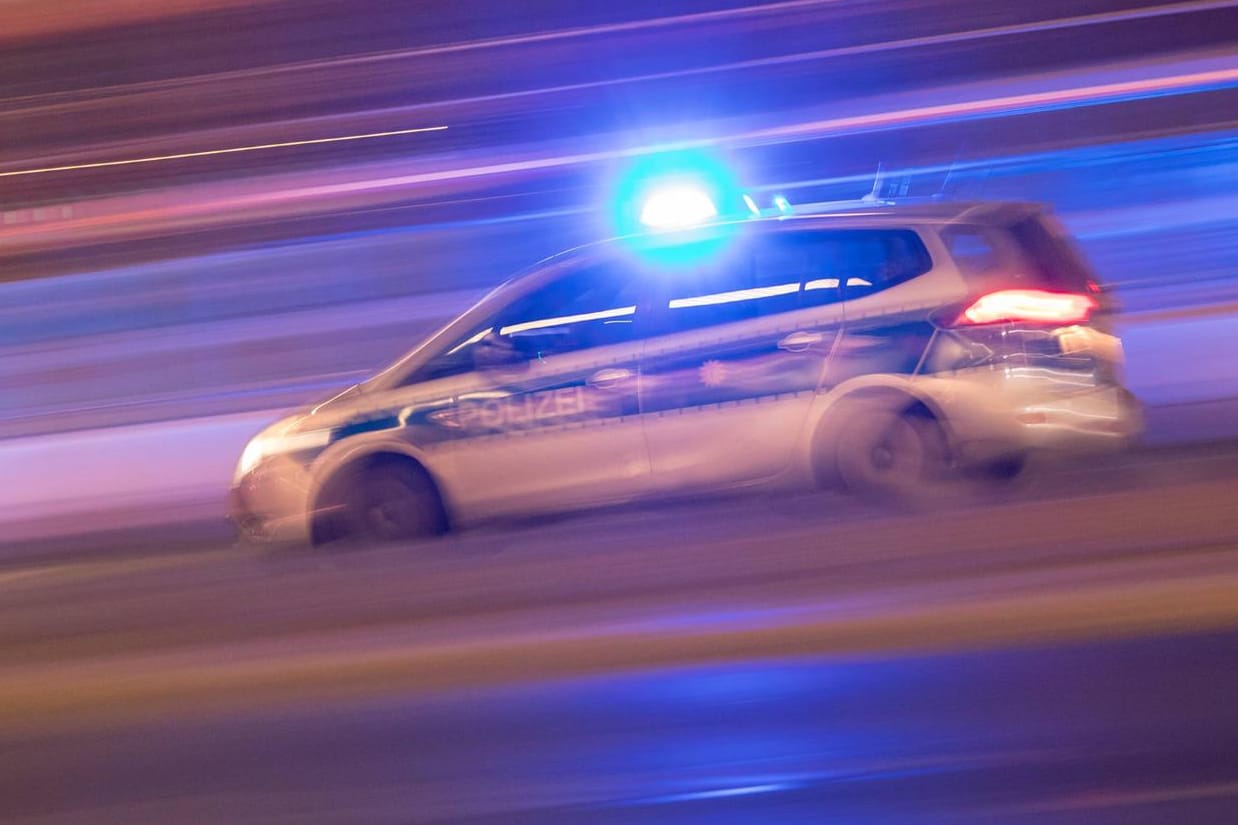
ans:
(902, 351)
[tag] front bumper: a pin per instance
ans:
(270, 505)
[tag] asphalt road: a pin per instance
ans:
(1115, 732)
(1063, 654)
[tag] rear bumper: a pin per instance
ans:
(1103, 420)
(987, 423)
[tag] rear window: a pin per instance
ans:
(1026, 254)
(1057, 264)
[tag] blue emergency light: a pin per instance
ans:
(680, 208)
(677, 206)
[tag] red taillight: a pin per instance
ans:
(1030, 305)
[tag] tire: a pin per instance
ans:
(893, 456)
(386, 501)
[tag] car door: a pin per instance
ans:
(891, 291)
(546, 418)
(741, 347)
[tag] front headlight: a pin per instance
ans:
(255, 451)
(266, 445)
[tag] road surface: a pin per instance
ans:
(1059, 656)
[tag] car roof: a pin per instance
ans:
(930, 210)
(833, 215)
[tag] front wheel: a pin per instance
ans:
(386, 501)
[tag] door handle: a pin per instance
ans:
(800, 341)
(607, 378)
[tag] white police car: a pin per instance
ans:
(897, 350)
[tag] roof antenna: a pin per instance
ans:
(878, 181)
(945, 183)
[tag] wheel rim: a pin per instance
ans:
(390, 508)
(893, 457)
(882, 456)
(898, 452)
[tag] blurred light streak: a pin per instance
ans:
(980, 107)
(1129, 151)
(723, 793)
(1005, 105)
(35, 18)
(1103, 18)
(694, 18)
(977, 107)
(1100, 18)
(231, 150)
(1063, 23)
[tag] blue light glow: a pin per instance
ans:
(676, 208)
(653, 191)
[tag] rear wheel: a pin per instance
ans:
(896, 456)
(387, 500)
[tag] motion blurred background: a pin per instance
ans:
(211, 210)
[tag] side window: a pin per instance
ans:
(829, 264)
(725, 292)
(776, 273)
(872, 260)
(790, 270)
(808, 259)
(586, 308)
